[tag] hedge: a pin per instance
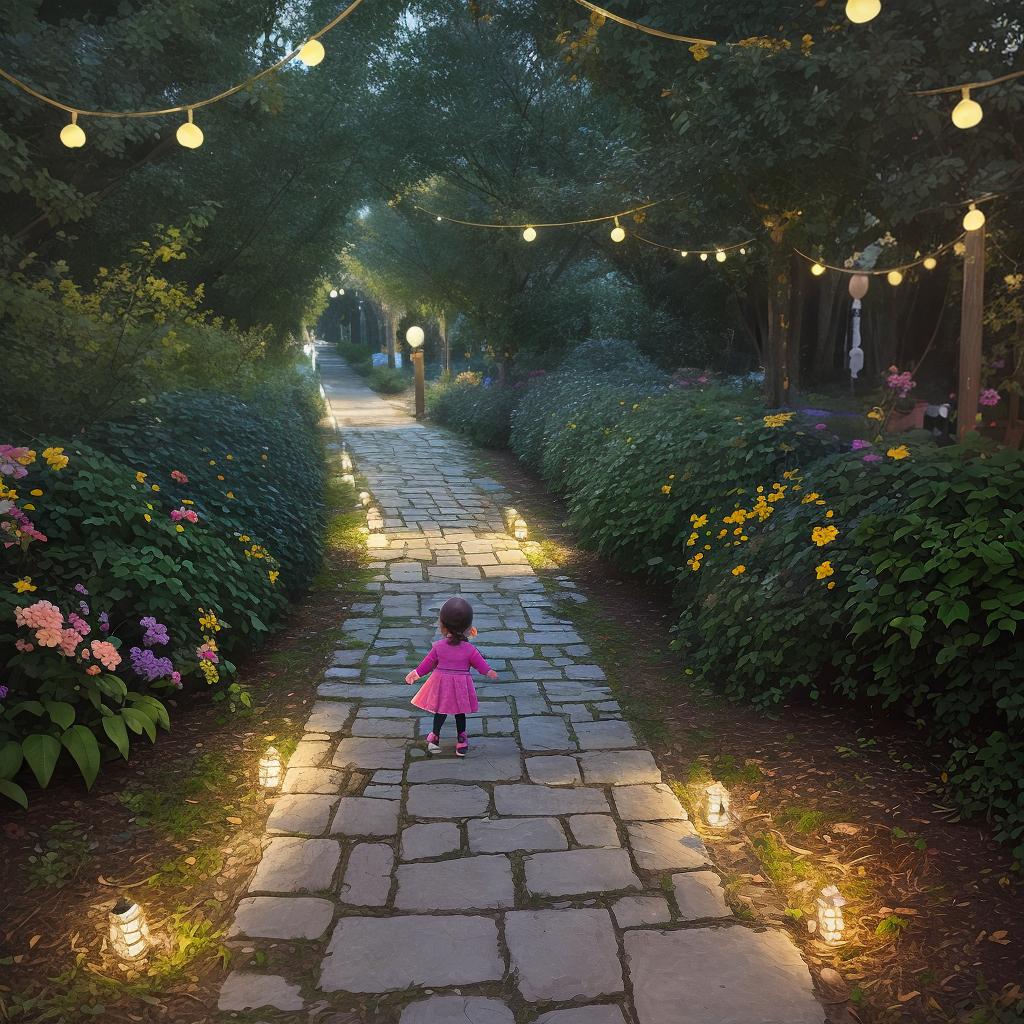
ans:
(146, 557)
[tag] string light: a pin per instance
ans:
(720, 256)
(703, 257)
(973, 219)
(967, 113)
(817, 269)
(71, 134)
(861, 11)
(929, 263)
(618, 233)
(660, 33)
(529, 234)
(312, 53)
(683, 253)
(189, 134)
(334, 293)
(894, 277)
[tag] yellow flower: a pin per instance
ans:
(229, 457)
(24, 585)
(55, 458)
(220, 476)
(700, 52)
(147, 517)
(899, 452)
(36, 493)
(739, 570)
(789, 474)
(230, 494)
(811, 496)
(876, 414)
(273, 574)
(180, 528)
(832, 585)
(829, 514)
(694, 563)
(671, 476)
(155, 487)
(28, 458)
(244, 538)
(666, 488)
(698, 521)
(29, 507)
(140, 477)
(777, 419)
(824, 570)
(213, 462)
(822, 535)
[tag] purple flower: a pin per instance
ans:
(988, 397)
(176, 679)
(156, 632)
(83, 607)
(80, 589)
(3, 692)
(858, 443)
(104, 622)
(872, 458)
(148, 665)
(819, 426)
(79, 624)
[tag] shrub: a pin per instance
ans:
(359, 357)
(481, 411)
(388, 381)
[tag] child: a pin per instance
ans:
(449, 690)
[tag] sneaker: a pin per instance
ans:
(433, 743)
(461, 745)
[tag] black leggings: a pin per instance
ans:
(460, 723)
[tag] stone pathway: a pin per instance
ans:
(551, 877)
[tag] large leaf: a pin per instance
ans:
(61, 713)
(116, 732)
(139, 723)
(41, 752)
(10, 759)
(82, 746)
(13, 791)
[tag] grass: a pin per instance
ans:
(803, 819)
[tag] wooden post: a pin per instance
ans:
(777, 354)
(417, 362)
(390, 327)
(971, 310)
(442, 324)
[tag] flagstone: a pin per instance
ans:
(604, 735)
(324, 781)
(328, 716)
(594, 830)
(457, 1010)
(532, 800)
(553, 770)
(647, 803)
(367, 879)
(607, 1013)
(292, 864)
(433, 839)
(506, 835)
(282, 917)
(370, 752)
(666, 845)
(544, 732)
(466, 883)
(699, 894)
(305, 814)
(364, 816)
(395, 727)
(619, 768)
(574, 872)
(246, 990)
(633, 911)
(439, 801)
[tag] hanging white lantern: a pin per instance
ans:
(717, 805)
(967, 113)
(312, 53)
(71, 135)
(334, 293)
(720, 256)
(129, 933)
(830, 915)
(189, 134)
(618, 232)
(894, 277)
(684, 253)
(703, 257)
(861, 11)
(529, 234)
(520, 530)
(817, 269)
(930, 263)
(973, 219)
(270, 769)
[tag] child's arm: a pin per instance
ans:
(476, 659)
(428, 664)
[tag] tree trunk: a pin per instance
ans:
(969, 386)
(442, 326)
(778, 355)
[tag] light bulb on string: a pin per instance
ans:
(861, 11)
(967, 113)
(71, 134)
(334, 293)
(894, 277)
(312, 53)
(189, 134)
(618, 232)
(720, 256)
(929, 263)
(438, 220)
(743, 250)
(683, 253)
(703, 257)
(817, 269)
(529, 234)
(973, 219)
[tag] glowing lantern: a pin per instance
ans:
(859, 286)
(830, 915)
(520, 530)
(683, 253)
(530, 234)
(414, 336)
(930, 263)
(71, 134)
(129, 934)
(720, 256)
(312, 53)
(817, 269)
(743, 250)
(703, 257)
(717, 809)
(973, 219)
(860, 11)
(894, 277)
(270, 769)
(618, 232)
(334, 293)
(967, 113)
(189, 134)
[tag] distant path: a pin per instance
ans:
(551, 876)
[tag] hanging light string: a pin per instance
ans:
(683, 251)
(899, 268)
(593, 8)
(967, 113)
(311, 52)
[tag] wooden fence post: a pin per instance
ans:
(971, 310)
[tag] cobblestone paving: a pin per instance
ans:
(550, 877)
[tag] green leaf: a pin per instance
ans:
(41, 752)
(14, 792)
(82, 746)
(116, 732)
(11, 758)
(139, 723)
(60, 712)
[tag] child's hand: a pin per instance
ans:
(492, 674)
(411, 677)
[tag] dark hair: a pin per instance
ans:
(456, 617)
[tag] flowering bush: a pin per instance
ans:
(467, 405)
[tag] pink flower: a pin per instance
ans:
(69, 641)
(24, 645)
(41, 615)
(93, 670)
(77, 622)
(176, 679)
(188, 514)
(990, 396)
(176, 474)
(48, 637)
(208, 655)
(9, 461)
(903, 382)
(106, 652)
(872, 458)
(858, 443)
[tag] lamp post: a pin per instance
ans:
(415, 337)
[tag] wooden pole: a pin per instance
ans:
(971, 310)
(442, 323)
(421, 405)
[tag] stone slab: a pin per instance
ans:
(380, 691)
(619, 768)
(364, 816)
(302, 813)
(727, 975)
(699, 894)
(633, 911)
(551, 960)
(395, 727)
(328, 716)
(647, 803)
(465, 883)
(324, 781)
(432, 839)
(490, 759)
(309, 753)
(430, 801)
(573, 872)
(609, 734)
(544, 732)
(246, 990)
(282, 917)
(540, 801)
(368, 875)
(372, 954)
(457, 1010)
(370, 752)
(666, 845)
(553, 770)
(296, 865)
(594, 830)
(507, 835)
(607, 1013)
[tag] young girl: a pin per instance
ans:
(449, 690)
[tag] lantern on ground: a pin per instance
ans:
(717, 805)
(830, 915)
(346, 461)
(520, 530)
(129, 934)
(270, 769)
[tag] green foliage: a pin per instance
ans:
(481, 412)
(388, 380)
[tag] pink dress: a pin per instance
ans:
(449, 690)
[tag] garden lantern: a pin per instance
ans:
(71, 134)
(973, 219)
(270, 769)
(129, 934)
(894, 277)
(830, 915)
(346, 461)
(860, 11)
(618, 232)
(415, 337)
(817, 269)
(334, 293)
(312, 53)
(717, 810)
(930, 263)
(967, 113)
(364, 498)
(189, 134)
(529, 234)
(520, 530)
